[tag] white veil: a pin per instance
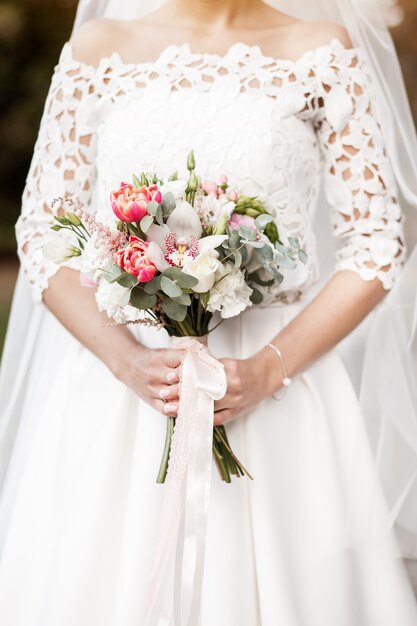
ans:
(387, 381)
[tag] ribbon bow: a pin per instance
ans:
(176, 581)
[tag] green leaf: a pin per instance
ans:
(256, 296)
(294, 242)
(262, 220)
(169, 287)
(174, 310)
(159, 216)
(56, 227)
(247, 233)
(286, 262)
(265, 254)
(125, 280)
(136, 181)
(141, 300)
(254, 244)
(283, 249)
(303, 256)
(152, 207)
(168, 203)
(183, 299)
(183, 280)
(153, 285)
(255, 278)
(238, 258)
(146, 222)
(271, 231)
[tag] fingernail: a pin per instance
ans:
(170, 408)
(171, 376)
(164, 393)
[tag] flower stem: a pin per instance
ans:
(167, 449)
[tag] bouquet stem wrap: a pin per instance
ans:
(175, 584)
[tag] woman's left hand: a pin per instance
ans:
(249, 381)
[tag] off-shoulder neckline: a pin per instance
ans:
(174, 52)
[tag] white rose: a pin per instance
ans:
(204, 268)
(230, 295)
(113, 298)
(176, 187)
(58, 248)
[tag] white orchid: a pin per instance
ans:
(176, 187)
(179, 240)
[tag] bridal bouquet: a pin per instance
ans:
(173, 253)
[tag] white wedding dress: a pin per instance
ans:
(78, 529)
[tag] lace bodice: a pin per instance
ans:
(276, 127)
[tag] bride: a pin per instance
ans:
(281, 104)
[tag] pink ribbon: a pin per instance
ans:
(175, 584)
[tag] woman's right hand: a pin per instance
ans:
(153, 374)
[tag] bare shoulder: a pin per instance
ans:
(98, 38)
(311, 35)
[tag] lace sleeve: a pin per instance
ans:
(62, 164)
(358, 178)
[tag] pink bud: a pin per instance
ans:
(233, 195)
(223, 179)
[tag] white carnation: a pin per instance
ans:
(230, 295)
(113, 298)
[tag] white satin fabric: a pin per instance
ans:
(397, 462)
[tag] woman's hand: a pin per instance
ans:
(153, 374)
(249, 381)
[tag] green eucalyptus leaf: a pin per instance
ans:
(264, 254)
(255, 244)
(262, 220)
(183, 280)
(286, 262)
(247, 233)
(174, 310)
(183, 299)
(159, 216)
(168, 203)
(255, 278)
(303, 256)
(238, 258)
(152, 207)
(127, 280)
(153, 286)
(256, 296)
(170, 288)
(294, 242)
(146, 222)
(141, 300)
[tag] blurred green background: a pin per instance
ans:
(32, 33)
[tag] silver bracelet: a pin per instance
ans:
(286, 381)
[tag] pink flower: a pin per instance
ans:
(236, 221)
(134, 259)
(130, 203)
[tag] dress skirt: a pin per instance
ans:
(82, 523)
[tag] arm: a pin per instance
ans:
(366, 220)
(63, 165)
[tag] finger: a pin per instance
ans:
(169, 392)
(221, 417)
(225, 403)
(171, 409)
(172, 375)
(172, 358)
